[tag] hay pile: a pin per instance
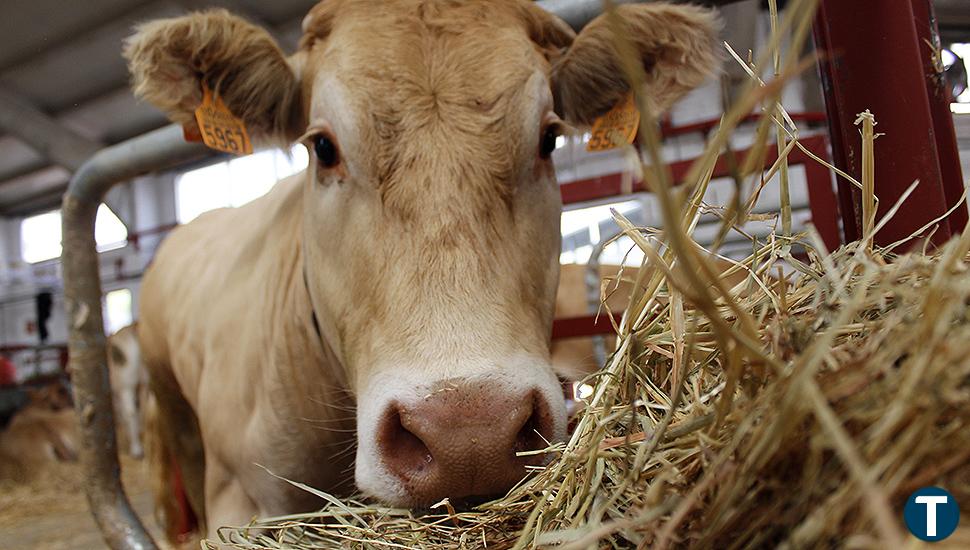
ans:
(856, 392)
(794, 410)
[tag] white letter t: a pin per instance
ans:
(931, 502)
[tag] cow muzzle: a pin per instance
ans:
(461, 440)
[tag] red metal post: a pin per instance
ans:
(586, 325)
(873, 56)
(940, 99)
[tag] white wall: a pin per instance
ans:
(962, 124)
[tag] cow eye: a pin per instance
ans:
(549, 141)
(326, 151)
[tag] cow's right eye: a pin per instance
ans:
(326, 151)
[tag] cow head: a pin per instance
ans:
(52, 396)
(431, 210)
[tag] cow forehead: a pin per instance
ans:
(450, 90)
(406, 63)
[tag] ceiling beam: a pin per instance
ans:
(22, 169)
(20, 195)
(952, 13)
(52, 43)
(41, 202)
(59, 144)
(51, 178)
(56, 142)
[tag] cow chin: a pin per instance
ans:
(459, 437)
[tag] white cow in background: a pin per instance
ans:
(128, 379)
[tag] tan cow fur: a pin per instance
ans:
(573, 358)
(429, 254)
(43, 432)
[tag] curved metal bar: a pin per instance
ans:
(158, 150)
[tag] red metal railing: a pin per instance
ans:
(667, 129)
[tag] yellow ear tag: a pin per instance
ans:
(617, 127)
(221, 130)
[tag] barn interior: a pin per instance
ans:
(65, 95)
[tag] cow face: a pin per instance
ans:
(53, 396)
(431, 210)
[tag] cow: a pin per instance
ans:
(575, 358)
(381, 319)
(128, 380)
(44, 431)
(53, 395)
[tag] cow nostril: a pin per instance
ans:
(536, 431)
(403, 451)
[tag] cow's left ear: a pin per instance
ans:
(675, 43)
(171, 59)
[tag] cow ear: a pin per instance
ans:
(171, 59)
(675, 43)
(551, 34)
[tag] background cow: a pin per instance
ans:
(576, 358)
(129, 380)
(42, 432)
(386, 312)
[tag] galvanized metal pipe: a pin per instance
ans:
(593, 280)
(158, 150)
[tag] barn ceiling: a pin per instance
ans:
(61, 61)
(61, 72)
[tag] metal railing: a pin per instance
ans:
(88, 363)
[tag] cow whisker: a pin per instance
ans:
(338, 420)
(352, 408)
(349, 469)
(349, 450)
(336, 430)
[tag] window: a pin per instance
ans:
(117, 310)
(583, 229)
(40, 235)
(234, 182)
